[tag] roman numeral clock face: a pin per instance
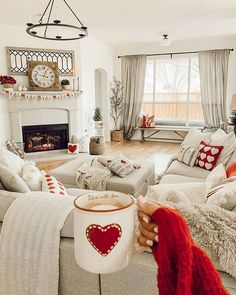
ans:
(43, 76)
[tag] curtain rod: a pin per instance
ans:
(172, 53)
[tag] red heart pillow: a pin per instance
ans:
(208, 156)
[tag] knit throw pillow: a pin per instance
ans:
(187, 155)
(120, 165)
(208, 156)
(52, 185)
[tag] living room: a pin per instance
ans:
(106, 103)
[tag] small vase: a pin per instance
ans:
(8, 87)
(66, 87)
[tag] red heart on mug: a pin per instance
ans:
(72, 148)
(104, 239)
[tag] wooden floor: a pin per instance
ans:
(159, 152)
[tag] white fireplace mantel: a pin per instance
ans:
(43, 112)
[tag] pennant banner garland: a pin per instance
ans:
(38, 97)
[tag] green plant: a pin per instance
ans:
(65, 82)
(116, 100)
(97, 115)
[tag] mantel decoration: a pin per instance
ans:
(32, 96)
(116, 100)
(54, 29)
(7, 82)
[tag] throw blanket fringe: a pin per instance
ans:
(29, 244)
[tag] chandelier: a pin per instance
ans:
(54, 29)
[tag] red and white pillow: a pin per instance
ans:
(120, 165)
(73, 148)
(208, 156)
(52, 185)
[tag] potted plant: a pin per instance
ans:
(65, 84)
(116, 100)
(97, 118)
(7, 82)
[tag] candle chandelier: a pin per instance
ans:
(54, 29)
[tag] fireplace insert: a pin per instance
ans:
(45, 137)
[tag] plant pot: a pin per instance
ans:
(7, 86)
(117, 135)
(98, 124)
(66, 87)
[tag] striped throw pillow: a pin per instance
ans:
(187, 155)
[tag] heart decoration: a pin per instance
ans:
(123, 161)
(202, 156)
(201, 163)
(72, 148)
(214, 151)
(208, 166)
(103, 238)
(201, 146)
(210, 158)
(207, 148)
(109, 161)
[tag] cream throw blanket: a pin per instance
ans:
(212, 228)
(29, 244)
(92, 175)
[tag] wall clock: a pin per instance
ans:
(43, 76)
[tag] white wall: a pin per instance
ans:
(192, 45)
(89, 55)
(96, 55)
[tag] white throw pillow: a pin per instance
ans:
(223, 195)
(187, 155)
(12, 181)
(32, 176)
(11, 161)
(195, 136)
(196, 192)
(83, 143)
(228, 141)
(217, 175)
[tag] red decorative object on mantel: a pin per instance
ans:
(7, 80)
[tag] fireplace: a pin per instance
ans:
(45, 137)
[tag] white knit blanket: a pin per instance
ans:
(29, 244)
(92, 175)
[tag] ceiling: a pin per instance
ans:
(137, 21)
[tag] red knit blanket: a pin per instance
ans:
(183, 268)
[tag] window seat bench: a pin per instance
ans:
(179, 130)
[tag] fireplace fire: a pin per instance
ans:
(45, 137)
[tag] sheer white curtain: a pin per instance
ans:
(213, 67)
(133, 69)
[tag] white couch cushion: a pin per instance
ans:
(179, 168)
(195, 192)
(32, 176)
(173, 178)
(11, 161)
(194, 137)
(228, 141)
(12, 181)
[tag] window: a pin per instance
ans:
(172, 90)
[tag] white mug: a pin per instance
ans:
(104, 231)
